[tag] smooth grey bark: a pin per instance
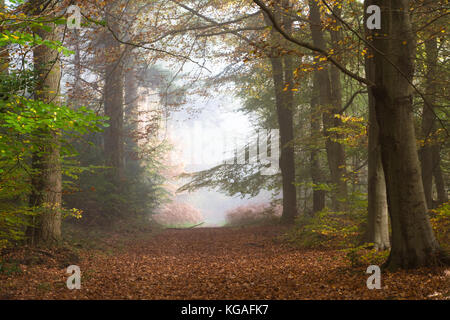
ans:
(413, 240)
(378, 218)
(330, 96)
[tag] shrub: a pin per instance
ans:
(328, 229)
(178, 214)
(440, 221)
(253, 214)
(365, 255)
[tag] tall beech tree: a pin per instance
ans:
(413, 241)
(46, 162)
(330, 99)
(282, 73)
(378, 217)
(377, 208)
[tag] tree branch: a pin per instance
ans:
(310, 46)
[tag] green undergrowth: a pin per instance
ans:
(344, 231)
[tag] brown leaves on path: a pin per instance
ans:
(218, 263)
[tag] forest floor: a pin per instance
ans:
(206, 263)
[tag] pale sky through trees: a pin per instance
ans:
(199, 140)
(217, 118)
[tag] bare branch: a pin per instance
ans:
(310, 46)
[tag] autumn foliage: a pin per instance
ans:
(253, 213)
(208, 263)
(178, 214)
(440, 221)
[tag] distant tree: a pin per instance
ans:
(282, 73)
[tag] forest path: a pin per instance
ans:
(217, 263)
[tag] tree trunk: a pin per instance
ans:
(438, 178)
(47, 175)
(339, 165)
(285, 121)
(413, 240)
(113, 101)
(282, 73)
(428, 121)
(378, 220)
(77, 88)
(330, 96)
(378, 215)
(430, 152)
(316, 172)
(131, 91)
